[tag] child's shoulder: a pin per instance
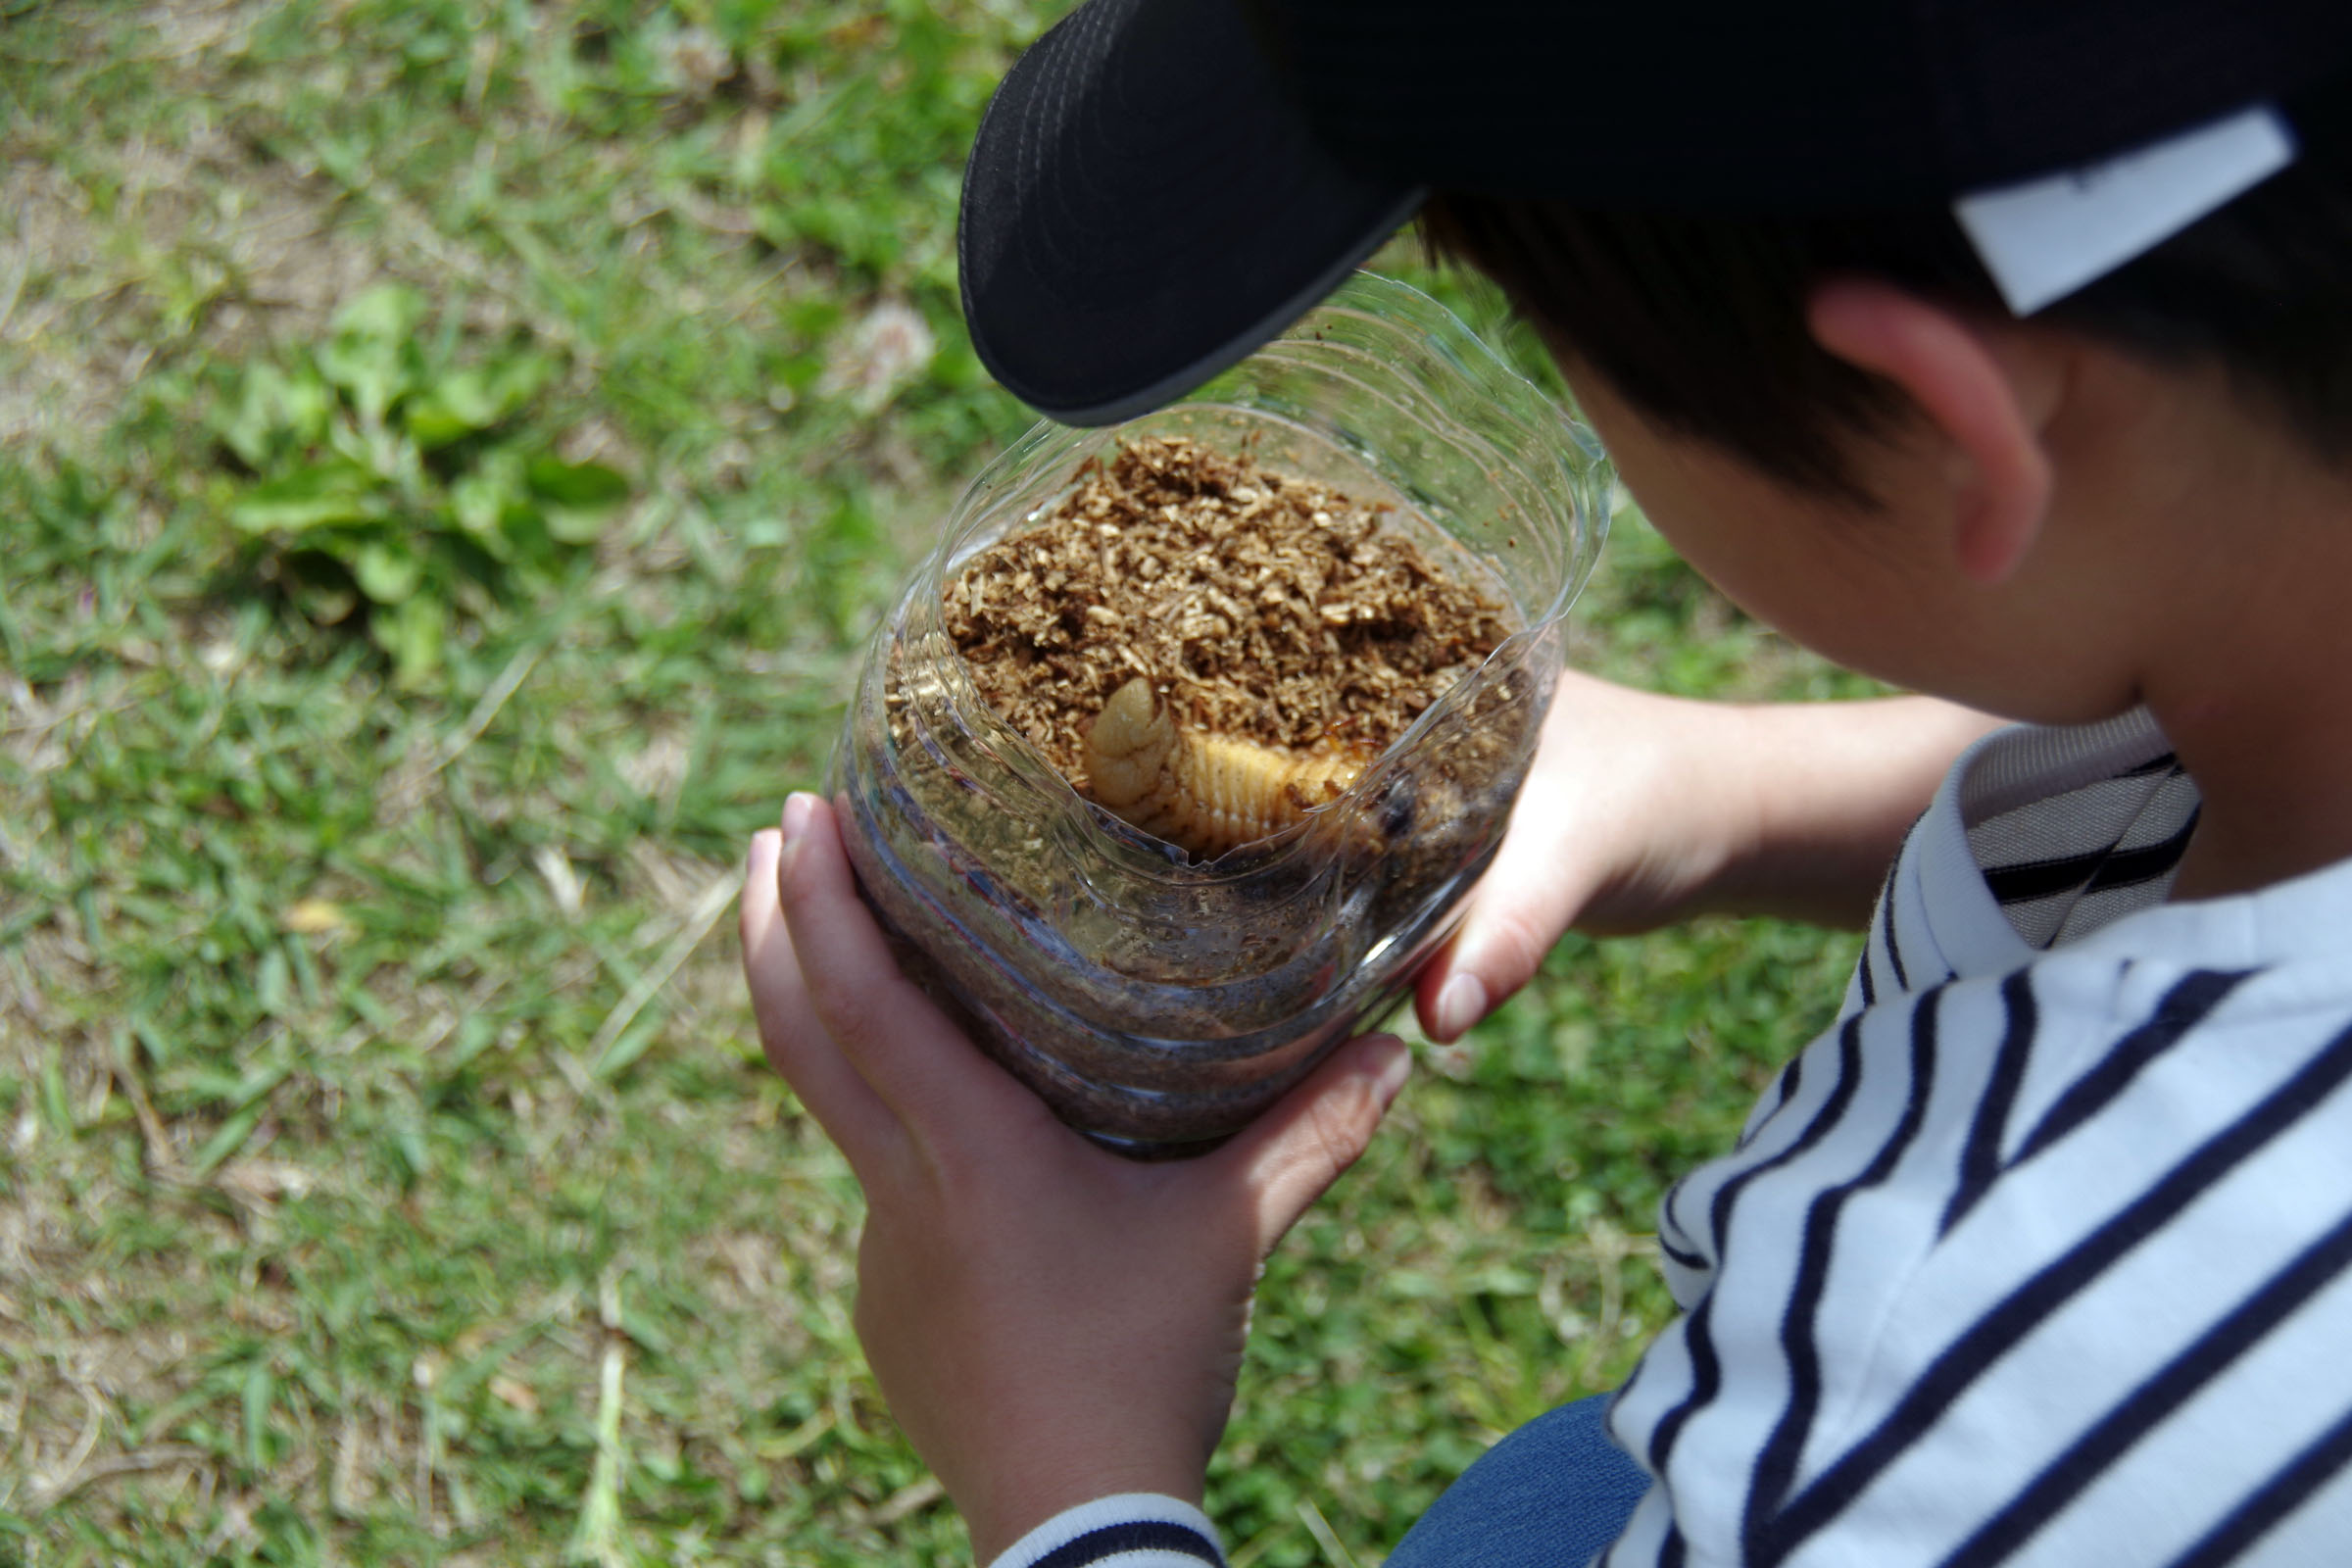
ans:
(2021, 1246)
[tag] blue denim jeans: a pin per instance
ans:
(1552, 1494)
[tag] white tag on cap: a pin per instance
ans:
(2045, 239)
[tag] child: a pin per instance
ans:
(2003, 352)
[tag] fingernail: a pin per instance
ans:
(797, 808)
(1461, 1004)
(764, 844)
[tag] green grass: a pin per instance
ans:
(386, 1169)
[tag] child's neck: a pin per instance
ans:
(2271, 812)
(2257, 697)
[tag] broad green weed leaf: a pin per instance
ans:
(414, 500)
(372, 375)
(577, 499)
(577, 484)
(529, 541)
(380, 450)
(274, 411)
(389, 312)
(387, 568)
(334, 494)
(518, 378)
(465, 401)
(374, 359)
(305, 406)
(571, 526)
(411, 633)
(483, 498)
(248, 429)
(450, 410)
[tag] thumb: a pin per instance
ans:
(1527, 899)
(1288, 1157)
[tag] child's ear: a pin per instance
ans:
(1988, 409)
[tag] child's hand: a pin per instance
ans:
(1641, 809)
(1621, 823)
(1049, 1323)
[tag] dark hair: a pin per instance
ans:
(1699, 321)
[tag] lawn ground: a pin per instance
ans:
(389, 679)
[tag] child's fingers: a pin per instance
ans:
(1288, 1157)
(1519, 910)
(795, 1043)
(907, 1049)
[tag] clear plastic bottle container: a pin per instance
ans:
(1156, 1002)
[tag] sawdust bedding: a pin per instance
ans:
(1263, 607)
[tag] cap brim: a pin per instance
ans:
(1144, 208)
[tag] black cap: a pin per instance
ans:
(1159, 187)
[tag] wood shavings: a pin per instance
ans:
(1262, 606)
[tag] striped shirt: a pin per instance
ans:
(2038, 1255)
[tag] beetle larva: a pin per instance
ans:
(1204, 794)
